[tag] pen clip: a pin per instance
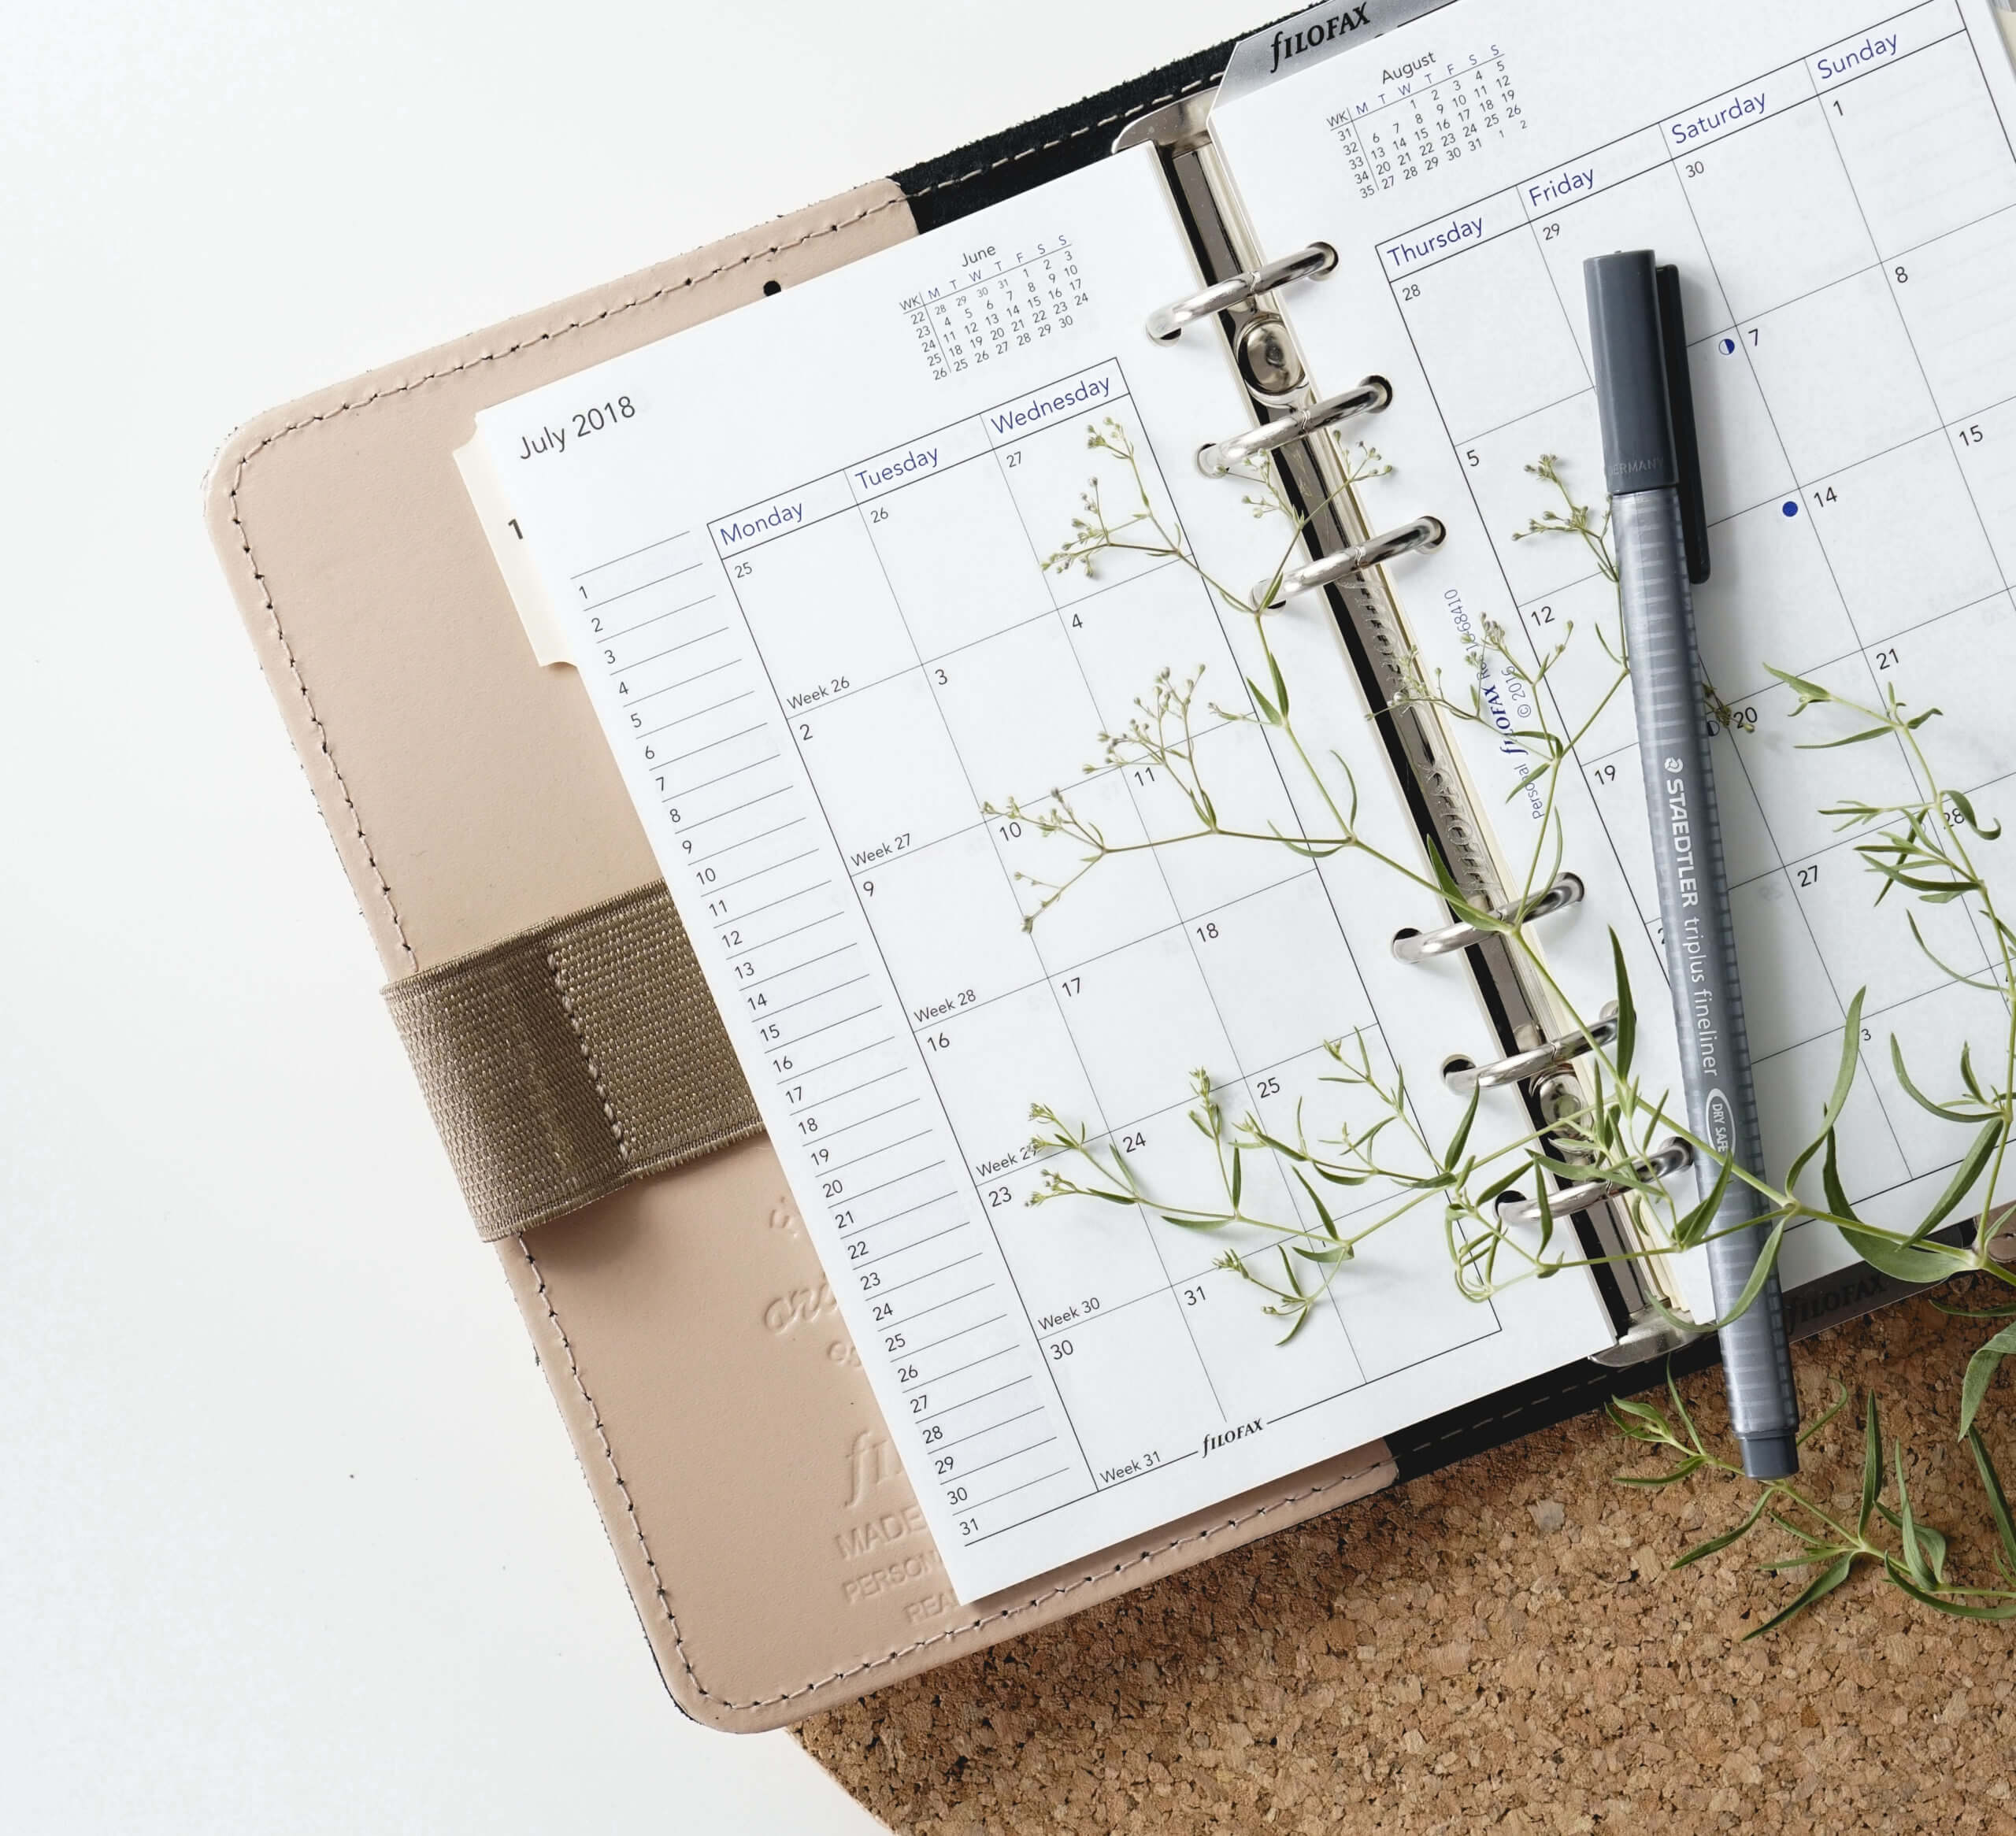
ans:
(1686, 440)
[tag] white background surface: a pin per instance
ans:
(290, 1536)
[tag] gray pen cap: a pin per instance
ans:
(1632, 401)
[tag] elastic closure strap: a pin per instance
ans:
(564, 1062)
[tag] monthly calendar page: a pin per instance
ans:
(1838, 191)
(802, 550)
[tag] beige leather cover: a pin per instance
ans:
(772, 1546)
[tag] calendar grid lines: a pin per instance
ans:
(1746, 350)
(867, 523)
(928, 674)
(1147, 1226)
(1844, 268)
(617, 560)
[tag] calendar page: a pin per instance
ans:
(1838, 191)
(801, 550)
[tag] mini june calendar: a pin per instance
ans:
(821, 657)
(1841, 205)
(1001, 299)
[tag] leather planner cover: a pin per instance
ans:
(752, 1498)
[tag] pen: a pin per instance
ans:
(1645, 403)
(2005, 17)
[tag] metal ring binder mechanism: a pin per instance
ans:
(1417, 946)
(1223, 456)
(1536, 1061)
(1346, 556)
(1361, 558)
(1672, 1156)
(1166, 322)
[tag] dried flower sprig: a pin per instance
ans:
(1922, 848)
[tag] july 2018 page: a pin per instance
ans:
(1838, 191)
(805, 554)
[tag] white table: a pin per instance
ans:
(290, 1536)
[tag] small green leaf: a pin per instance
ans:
(1960, 802)
(1917, 1263)
(1964, 1176)
(1446, 881)
(1642, 1421)
(1196, 1224)
(1460, 1138)
(1301, 1320)
(1907, 1526)
(1691, 1228)
(1238, 1178)
(1627, 1013)
(1980, 1372)
(1679, 1408)
(1844, 1078)
(1830, 1182)
(1329, 1257)
(1872, 1465)
(1824, 1582)
(1918, 1096)
(1940, 1603)
(1867, 733)
(1767, 1260)
(1808, 692)
(1280, 687)
(1267, 710)
(1716, 1544)
(1998, 1502)
(1932, 1543)
(1316, 1199)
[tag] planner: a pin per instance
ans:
(821, 659)
(797, 726)
(846, 671)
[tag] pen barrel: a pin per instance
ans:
(1701, 964)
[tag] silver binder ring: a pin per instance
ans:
(1463, 1079)
(1369, 397)
(1418, 946)
(1416, 537)
(1666, 1160)
(1166, 322)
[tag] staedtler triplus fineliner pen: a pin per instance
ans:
(1635, 389)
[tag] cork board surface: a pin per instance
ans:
(1500, 1646)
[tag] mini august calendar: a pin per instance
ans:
(812, 561)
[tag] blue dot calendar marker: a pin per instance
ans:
(1729, 347)
(1791, 506)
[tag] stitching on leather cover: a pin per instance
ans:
(587, 1054)
(246, 459)
(1005, 1613)
(608, 1454)
(1126, 114)
(308, 701)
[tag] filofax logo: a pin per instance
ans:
(1290, 45)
